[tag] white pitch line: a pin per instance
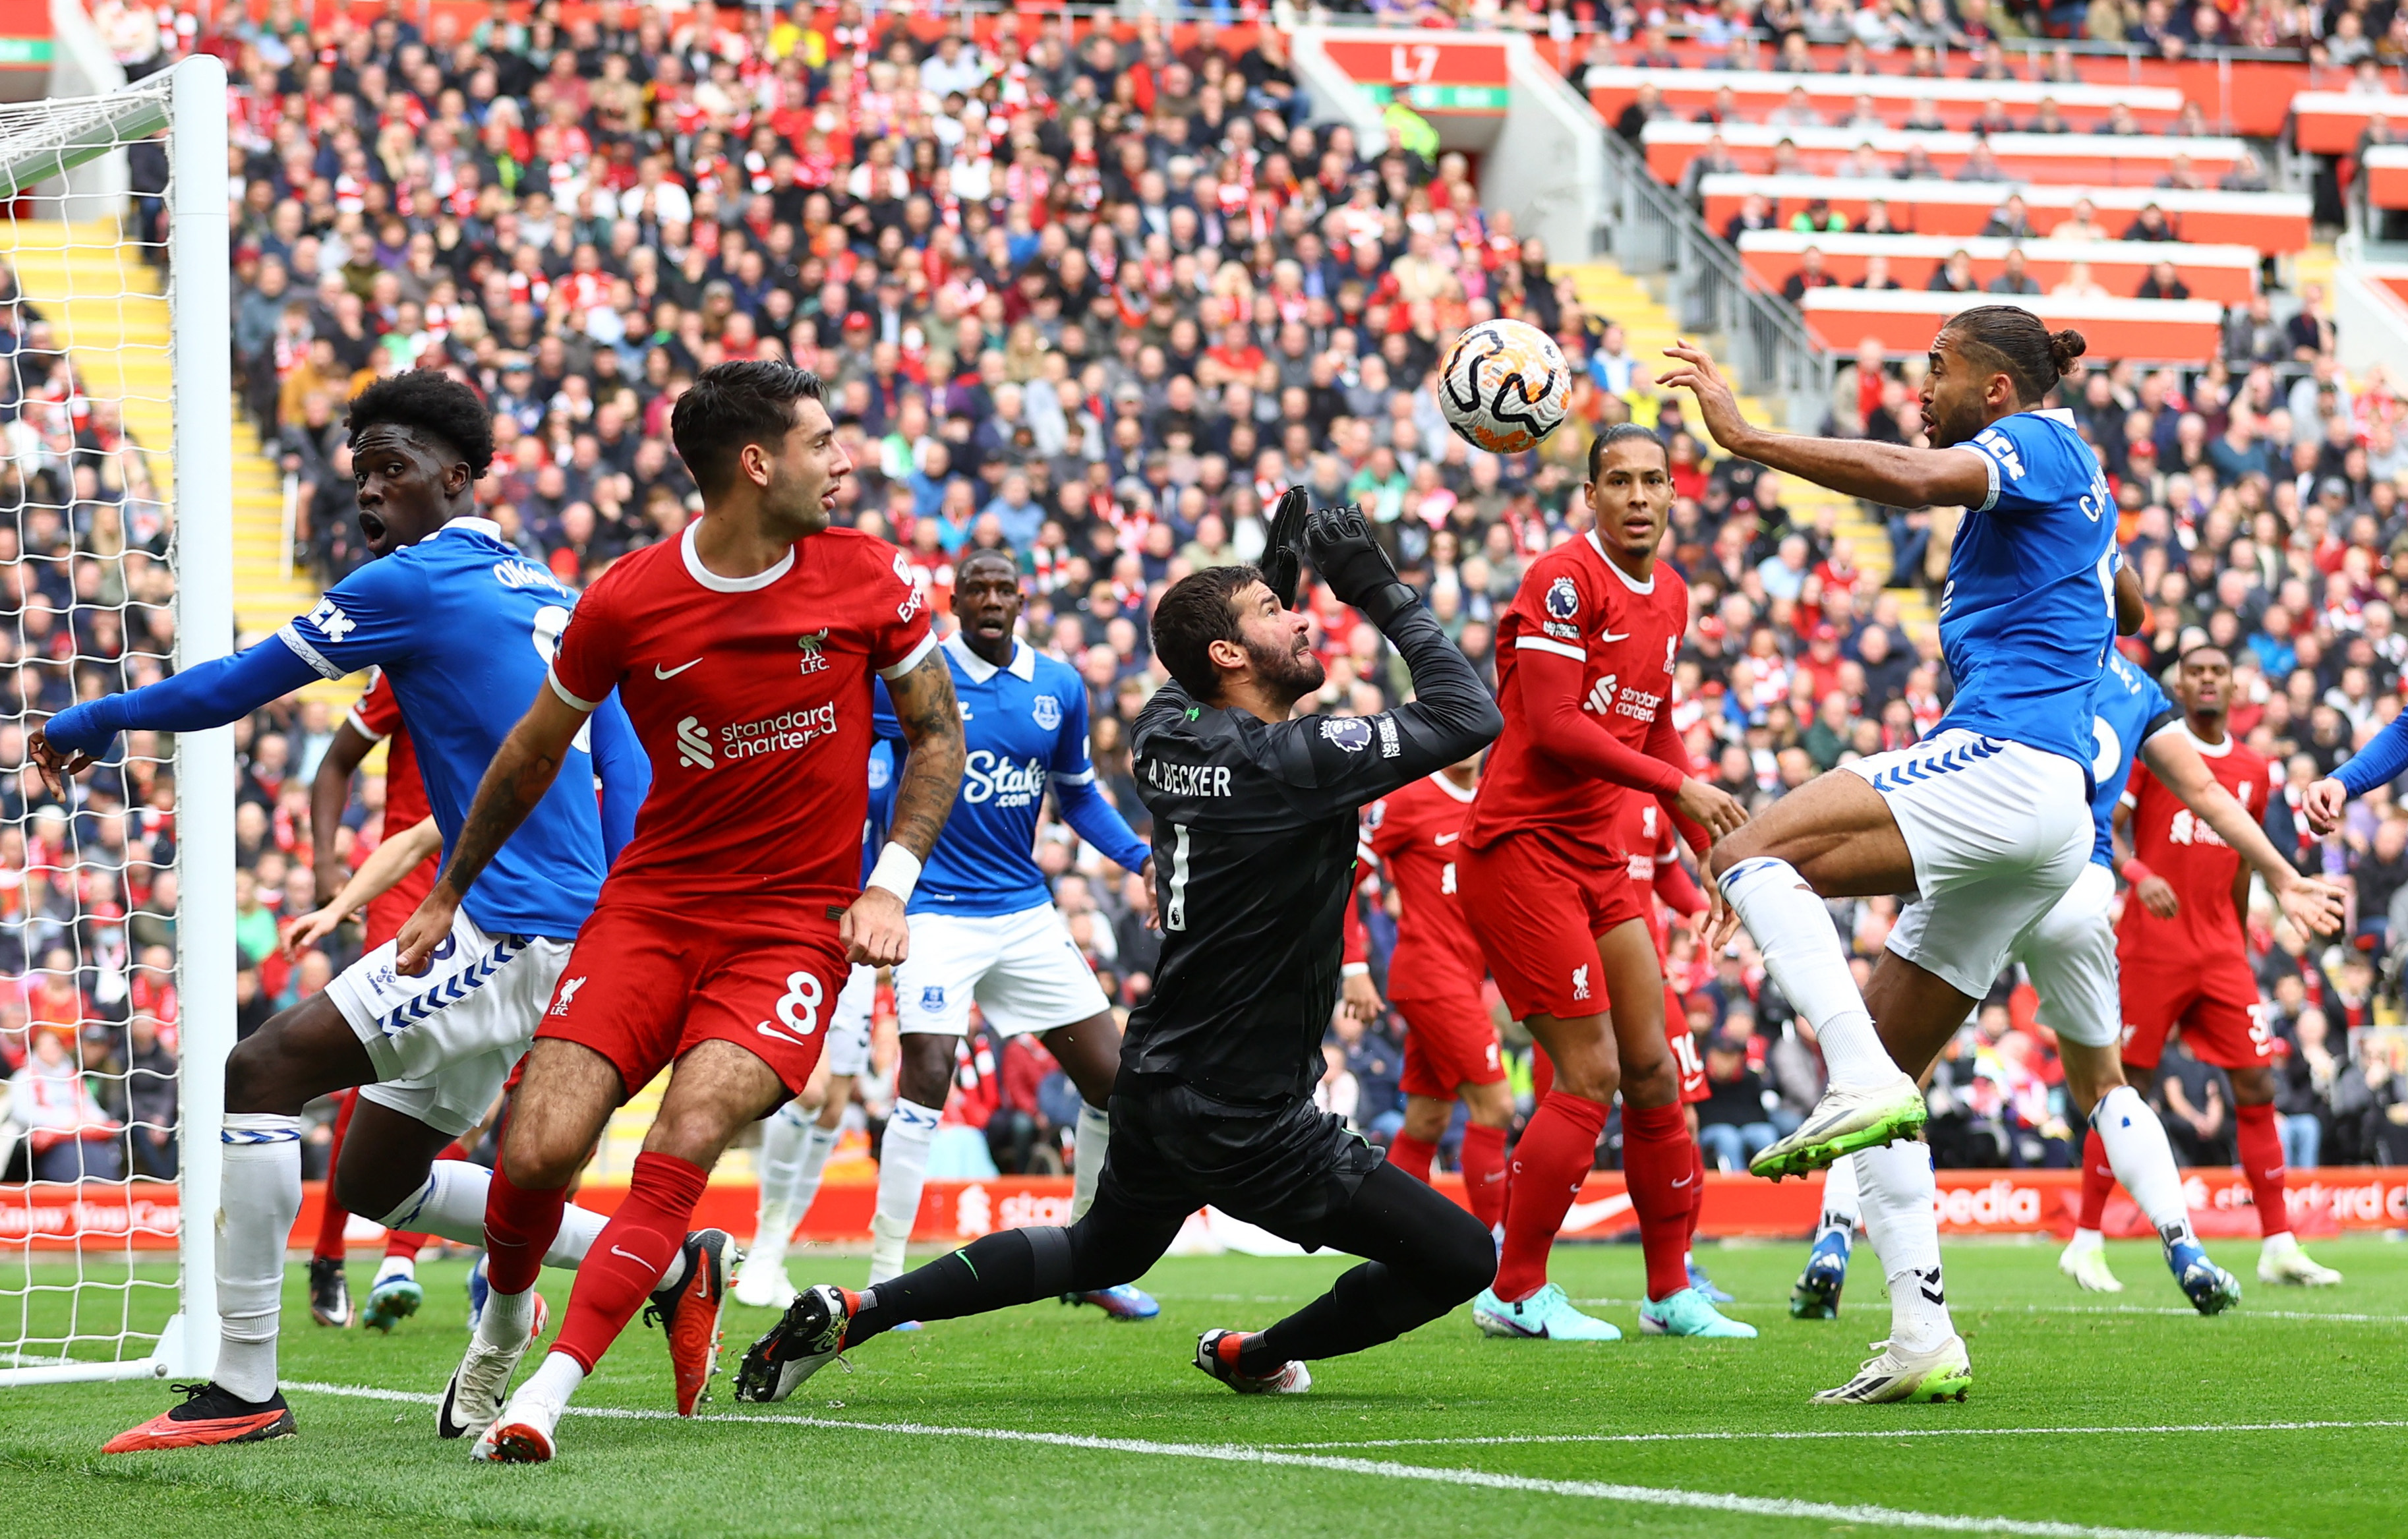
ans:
(2242, 1313)
(1230, 1453)
(1875, 1436)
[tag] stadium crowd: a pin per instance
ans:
(1097, 299)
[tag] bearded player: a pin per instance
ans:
(1451, 1050)
(2183, 952)
(725, 931)
(1585, 672)
(1987, 819)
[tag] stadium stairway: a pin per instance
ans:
(111, 315)
(1648, 328)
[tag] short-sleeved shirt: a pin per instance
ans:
(2028, 611)
(2176, 844)
(751, 698)
(1416, 834)
(1626, 634)
(2127, 709)
(1024, 727)
(462, 626)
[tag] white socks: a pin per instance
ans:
(794, 1152)
(1095, 1136)
(818, 1144)
(256, 1208)
(2144, 1162)
(395, 1266)
(902, 1172)
(1802, 951)
(1839, 1207)
(1899, 1190)
(451, 1205)
(505, 1319)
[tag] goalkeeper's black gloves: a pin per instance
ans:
(1338, 540)
(1283, 566)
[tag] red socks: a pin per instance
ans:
(1556, 1152)
(1659, 1163)
(1483, 1173)
(2098, 1180)
(1412, 1155)
(520, 1226)
(333, 1217)
(1697, 1184)
(628, 1256)
(2261, 1161)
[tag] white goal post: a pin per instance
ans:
(82, 1289)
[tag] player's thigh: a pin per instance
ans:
(2225, 1024)
(769, 991)
(716, 1087)
(1634, 980)
(2153, 996)
(1836, 829)
(1284, 1168)
(1037, 980)
(1450, 1043)
(386, 1155)
(566, 1092)
(1408, 1226)
(2070, 951)
(1980, 893)
(848, 1034)
(481, 992)
(300, 1054)
(935, 984)
(1534, 910)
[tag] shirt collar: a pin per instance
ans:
(717, 584)
(1627, 580)
(1023, 665)
(2057, 414)
(486, 527)
(2216, 750)
(1442, 783)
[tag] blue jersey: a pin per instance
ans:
(1024, 726)
(2127, 709)
(882, 805)
(465, 626)
(2028, 611)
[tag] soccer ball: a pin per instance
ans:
(1504, 386)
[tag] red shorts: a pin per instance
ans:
(1450, 1043)
(2217, 1007)
(1537, 911)
(644, 986)
(1687, 1060)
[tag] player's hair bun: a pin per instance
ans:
(2064, 348)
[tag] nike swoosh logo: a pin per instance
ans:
(1585, 1215)
(1610, 636)
(659, 672)
(637, 1260)
(1683, 1181)
(1447, 838)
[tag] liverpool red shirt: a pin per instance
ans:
(1416, 832)
(2174, 843)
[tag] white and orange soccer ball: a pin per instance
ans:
(1504, 386)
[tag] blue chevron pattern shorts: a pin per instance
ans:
(444, 1042)
(1999, 832)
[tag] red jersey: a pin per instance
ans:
(1574, 603)
(2173, 841)
(1650, 845)
(1415, 834)
(377, 717)
(751, 697)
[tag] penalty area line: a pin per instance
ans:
(2243, 1312)
(1868, 1515)
(1835, 1435)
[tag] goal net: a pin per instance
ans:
(116, 901)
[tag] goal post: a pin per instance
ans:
(95, 1281)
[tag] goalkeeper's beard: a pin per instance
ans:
(1287, 673)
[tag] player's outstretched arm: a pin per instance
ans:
(209, 694)
(523, 770)
(330, 791)
(2313, 906)
(873, 929)
(1893, 475)
(625, 772)
(2379, 764)
(379, 873)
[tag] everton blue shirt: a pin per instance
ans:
(1024, 726)
(2028, 611)
(2127, 709)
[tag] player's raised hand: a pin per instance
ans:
(1346, 554)
(1717, 404)
(2322, 802)
(2157, 895)
(425, 930)
(58, 766)
(874, 931)
(309, 930)
(1718, 810)
(2316, 906)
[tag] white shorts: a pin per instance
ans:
(1997, 831)
(444, 1042)
(1023, 969)
(847, 1045)
(2070, 951)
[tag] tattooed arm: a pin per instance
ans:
(514, 782)
(873, 928)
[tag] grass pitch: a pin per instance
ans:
(2091, 1415)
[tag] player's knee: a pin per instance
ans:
(1595, 1079)
(1650, 1084)
(531, 1164)
(252, 1071)
(926, 1072)
(1460, 1258)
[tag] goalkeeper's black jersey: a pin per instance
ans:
(1254, 831)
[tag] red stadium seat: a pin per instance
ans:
(2226, 274)
(1687, 91)
(2170, 331)
(2328, 123)
(2091, 160)
(2387, 177)
(2276, 223)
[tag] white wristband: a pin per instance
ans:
(1354, 970)
(897, 871)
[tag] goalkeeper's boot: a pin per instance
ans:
(804, 1340)
(1216, 1353)
(2281, 1260)
(1815, 1295)
(2084, 1260)
(209, 1416)
(688, 1313)
(1942, 1372)
(1546, 1315)
(1842, 1122)
(1703, 1284)
(1689, 1313)
(2211, 1290)
(474, 1397)
(1128, 1302)
(330, 1292)
(391, 1300)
